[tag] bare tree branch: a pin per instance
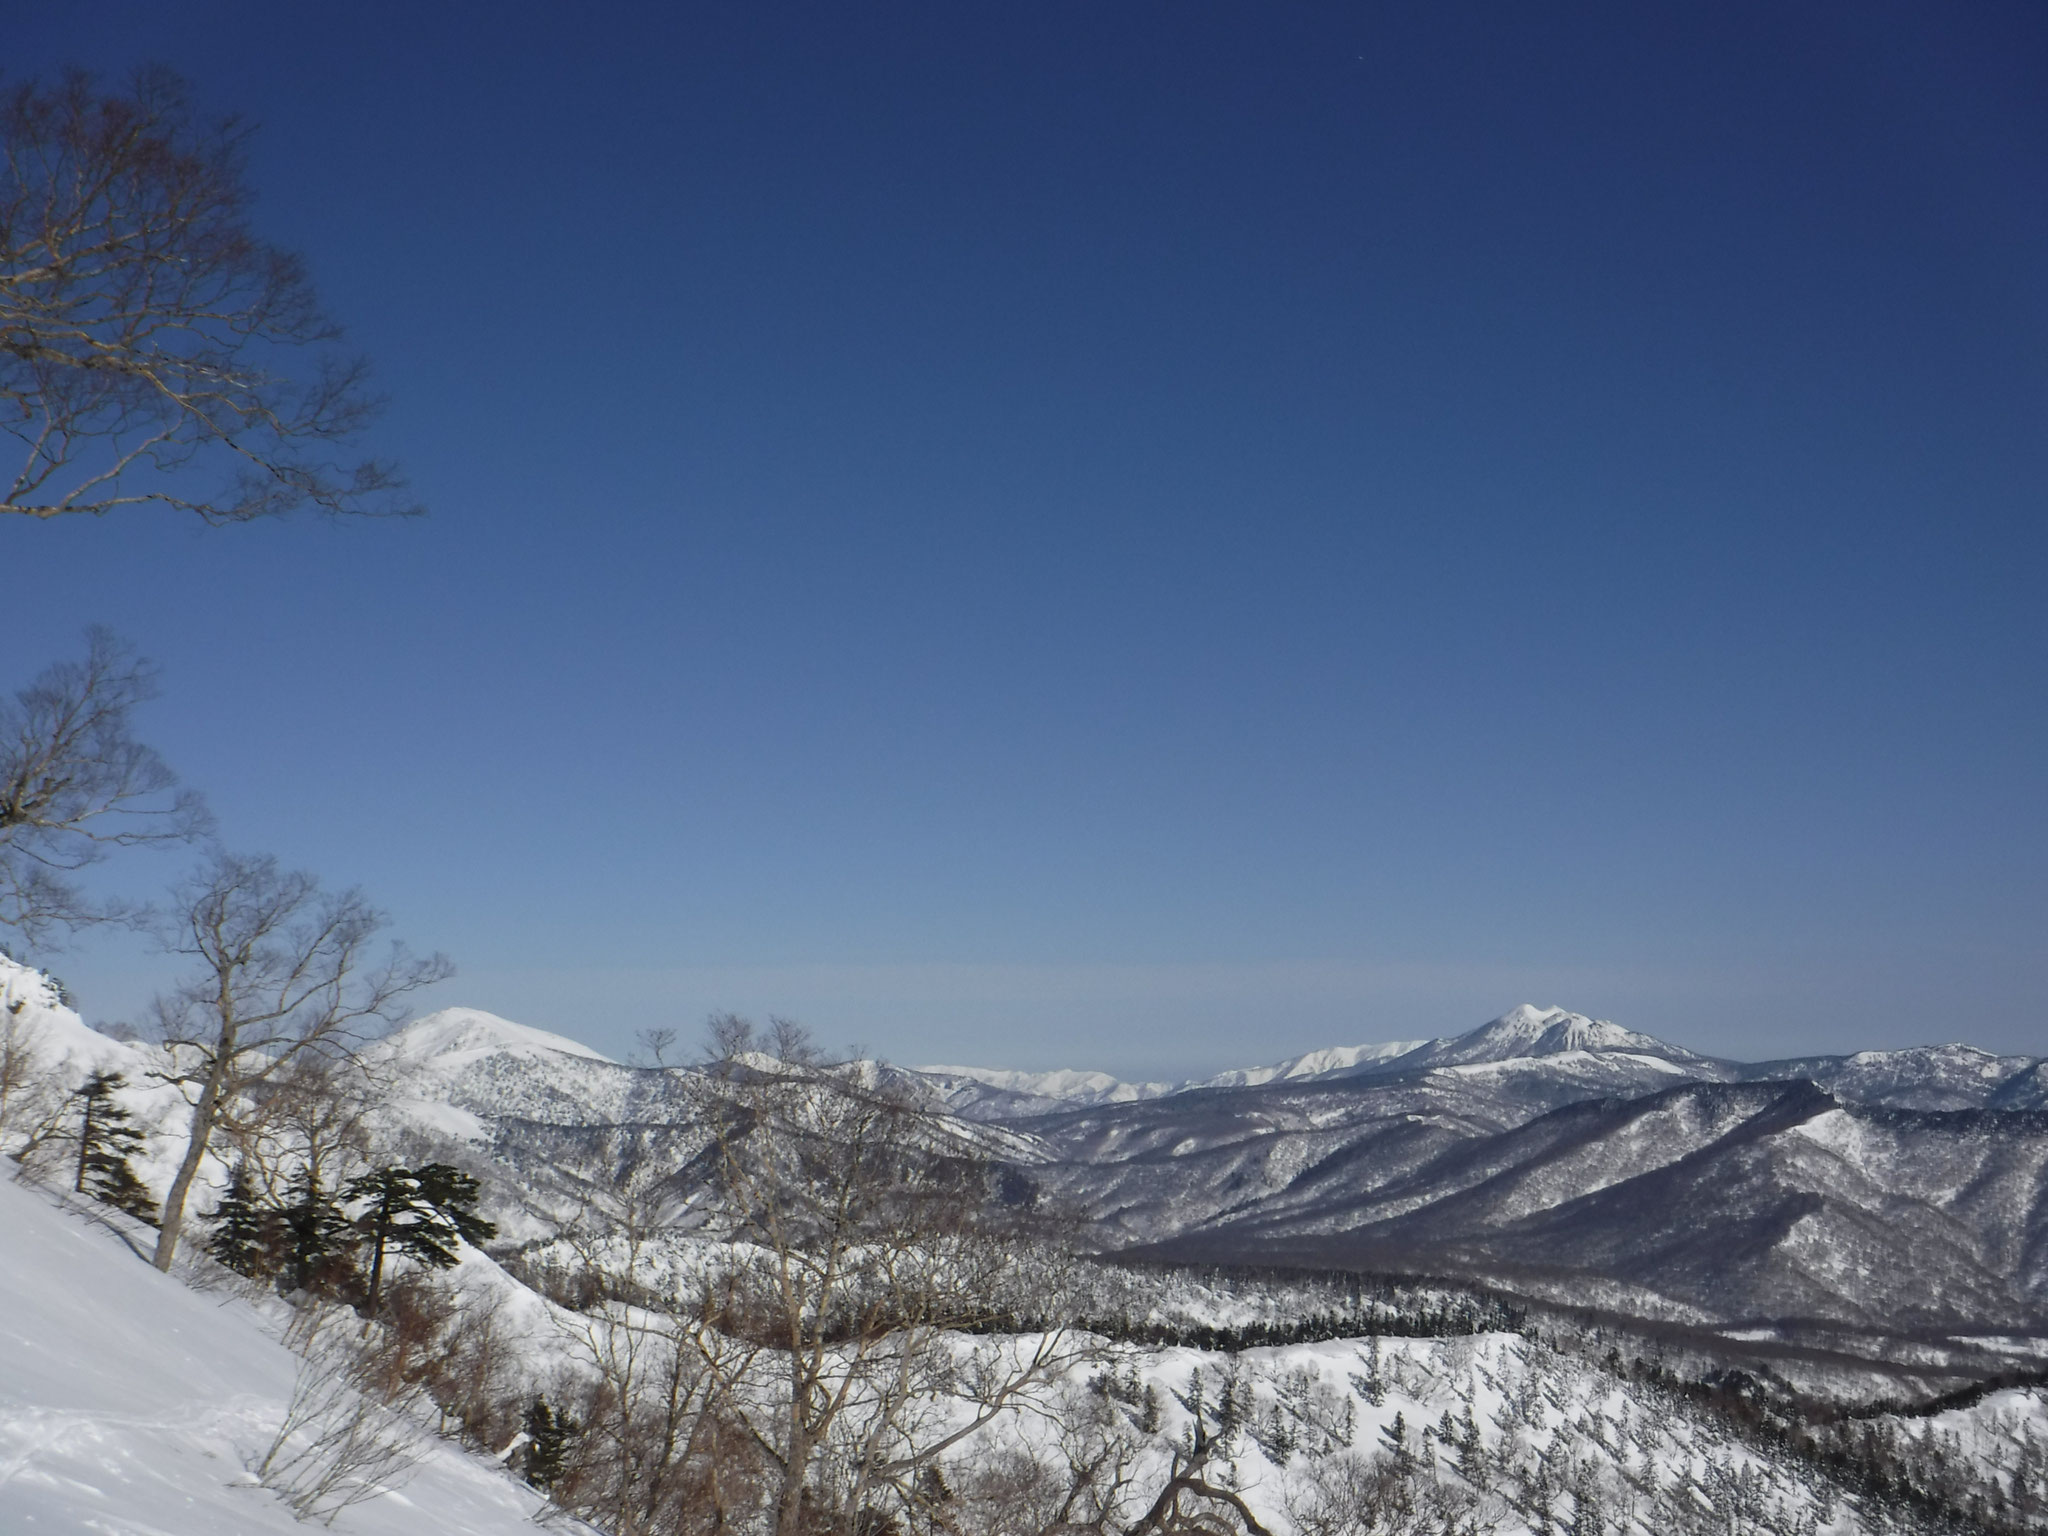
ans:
(74, 782)
(148, 339)
(283, 972)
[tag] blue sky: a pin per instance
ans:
(1152, 537)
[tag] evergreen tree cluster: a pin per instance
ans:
(1452, 1318)
(107, 1138)
(305, 1243)
(311, 1242)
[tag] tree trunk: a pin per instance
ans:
(789, 1516)
(203, 1114)
(377, 1266)
(84, 1145)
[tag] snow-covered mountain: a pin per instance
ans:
(1524, 1032)
(1544, 1151)
(1333, 1061)
(1923, 1077)
(1529, 1032)
(1541, 1151)
(1750, 1212)
(993, 1093)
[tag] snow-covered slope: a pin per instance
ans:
(129, 1404)
(1525, 1033)
(455, 1036)
(993, 1093)
(61, 1051)
(1334, 1061)
(60, 1036)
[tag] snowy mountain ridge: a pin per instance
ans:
(1526, 1031)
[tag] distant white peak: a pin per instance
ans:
(1954, 1059)
(1060, 1083)
(470, 1032)
(1329, 1062)
(1955, 1050)
(1533, 1031)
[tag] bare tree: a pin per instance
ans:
(283, 972)
(655, 1044)
(74, 782)
(147, 335)
(309, 1122)
(863, 1248)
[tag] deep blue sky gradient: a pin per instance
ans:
(1142, 536)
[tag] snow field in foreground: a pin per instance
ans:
(129, 1404)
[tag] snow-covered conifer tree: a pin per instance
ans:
(106, 1140)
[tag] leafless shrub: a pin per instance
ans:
(1086, 1479)
(1350, 1494)
(660, 1450)
(475, 1381)
(346, 1436)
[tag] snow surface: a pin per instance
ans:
(1520, 1034)
(69, 1051)
(129, 1403)
(1062, 1083)
(60, 1034)
(456, 1036)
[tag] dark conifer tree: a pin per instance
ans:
(316, 1237)
(106, 1140)
(547, 1443)
(424, 1212)
(247, 1236)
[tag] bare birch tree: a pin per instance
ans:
(74, 783)
(864, 1249)
(283, 971)
(149, 340)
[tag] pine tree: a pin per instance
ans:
(106, 1140)
(316, 1237)
(1395, 1435)
(247, 1236)
(547, 1443)
(422, 1212)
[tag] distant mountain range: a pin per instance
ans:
(1926, 1077)
(1890, 1201)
